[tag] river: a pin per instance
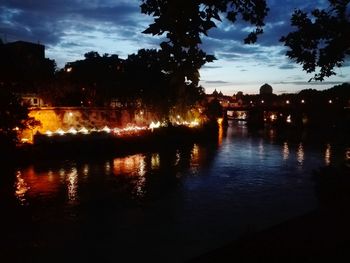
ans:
(166, 206)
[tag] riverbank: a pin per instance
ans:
(103, 144)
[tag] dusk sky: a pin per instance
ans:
(70, 28)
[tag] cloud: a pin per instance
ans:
(215, 82)
(210, 67)
(313, 83)
(70, 28)
(76, 25)
(287, 66)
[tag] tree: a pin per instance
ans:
(322, 39)
(13, 118)
(184, 22)
(89, 82)
(144, 80)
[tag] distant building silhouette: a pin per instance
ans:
(24, 51)
(265, 89)
(24, 69)
(224, 100)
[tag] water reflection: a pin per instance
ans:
(327, 155)
(177, 157)
(220, 134)
(107, 167)
(130, 165)
(155, 161)
(285, 151)
(86, 170)
(21, 188)
(347, 157)
(139, 176)
(72, 184)
(347, 154)
(300, 154)
(134, 166)
(261, 149)
(195, 155)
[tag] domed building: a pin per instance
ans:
(266, 89)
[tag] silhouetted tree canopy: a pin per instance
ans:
(184, 22)
(91, 81)
(322, 38)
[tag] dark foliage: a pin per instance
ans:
(90, 81)
(322, 39)
(13, 118)
(184, 22)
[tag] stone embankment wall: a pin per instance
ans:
(65, 118)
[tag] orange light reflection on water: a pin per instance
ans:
(128, 165)
(220, 135)
(21, 188)
(134, 166)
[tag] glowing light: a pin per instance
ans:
(287, 101)
(16, 129)
(117, 131)
(83, 130)
(69, 69)
(194, 123)
(330, 101)
(262, 101)
(72, 131)
(106, 129)
(178, 116)
(60, 131)
(303, 101)
(154, 125)
(70, 114)
(220, 120)
(273, 117)
(129, 130)
(289, 119)
(24, 140)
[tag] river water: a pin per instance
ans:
(166, 206)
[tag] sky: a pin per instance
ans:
(71, 28)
